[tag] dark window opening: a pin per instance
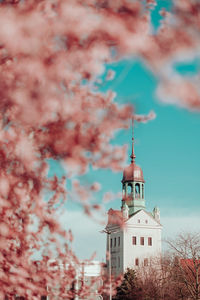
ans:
(142, 241)
(137, 262)
(134, 240)
(146, 262)
(149, 241)
(143, 191)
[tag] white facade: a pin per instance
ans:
(146, 232)
(136, 244)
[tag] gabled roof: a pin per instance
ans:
(191, 268)
(189, 262)
(147, 213)
(115, 217)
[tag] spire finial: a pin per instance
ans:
(132, 153)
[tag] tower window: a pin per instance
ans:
(146, 262)
(138, 220)
(146, 221)
(142, 241)
(149, 241)
(137, 190)
(111, 243)
(119, 241)
(143, 191)
(118, 262)
(129, 189)
(134, 240)
(124, 190)
(115, 242)
(137, 262)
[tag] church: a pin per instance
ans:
(133, 233)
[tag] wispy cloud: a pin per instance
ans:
(173, 225)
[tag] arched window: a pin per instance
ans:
(124, 190)
(129, 189)
(142, 191)
(137, 190)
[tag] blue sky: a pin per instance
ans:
(167, 149)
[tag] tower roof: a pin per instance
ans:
(133, 172)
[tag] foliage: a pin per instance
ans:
(186, 253)
(158, 281)
(177, 275)
(129, 288)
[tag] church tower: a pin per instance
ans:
(133, 234)
(133, 185)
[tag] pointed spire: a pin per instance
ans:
(132, 153)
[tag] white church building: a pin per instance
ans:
(133, 234)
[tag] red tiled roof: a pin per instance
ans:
(189, 262)
(115, 217)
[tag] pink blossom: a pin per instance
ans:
(145, 118)
(48, 49)
(110, 75)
